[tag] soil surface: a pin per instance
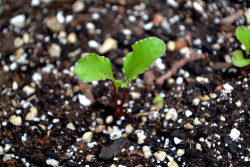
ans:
(48, 117)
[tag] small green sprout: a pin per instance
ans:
(243, 35)
(93, 67)
(158, 103)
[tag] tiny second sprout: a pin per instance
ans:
(93, 67)
(238, 59)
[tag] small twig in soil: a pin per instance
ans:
(233, 17)
(222, 65)
(179, 64)
(141, 114)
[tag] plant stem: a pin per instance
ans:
(115, 100)
(123, 101)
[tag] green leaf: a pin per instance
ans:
(157, 103)
(125, 84)
(144, 53)
(93, 68)
(117, 83)
(239, 60)
(243, 35)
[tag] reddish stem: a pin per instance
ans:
(123, 101)
(115, 101)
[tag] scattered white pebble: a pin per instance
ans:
(188, 126)
(78, 6)
(71, 126)
(135, 95)
(185, 51)
(35, 2)
(173, 3)
(202, 79)
(238, 103)
(89, 158)
(109, 119)
(7, 147)
(55, 50)
(100, 128)
(52, 162)
(171, 114)
(201, 139)
(160, 155)
(90, 26)
(177, 140)
(68, 18)
(146, 151)
(92, 144)
(198, 7)
(37, 77)
(24, 138)
(166, 143)
(18, 21)
(72, 38)
(197, 41)
(174, 19)
(32, 114)
(16, 120)
(145, 17)
(132, 18)
(6, 68)
(129, 129)
(93, 44)
(13, 66)
(48, 68)
(228, 88)
(171, 46)
(170, 158)
(140, 140)
(172, 164)
(222, 118)
(1, 150)
(87, 137)
(234, 134)
(60, 17)
(180, 152)
(159, 64)
(126, 31)
(188, 113)
(131, 148)
(148, 26)
(28, 90)
(15, 85)
(108, 45)
(4, 123)
(198, 147)
(196, 101)
(179, 81)
(196, 121)
(84, 100)
(55, 120)
(95, 16)
(247, 15)
(7, 157)
(116, 134)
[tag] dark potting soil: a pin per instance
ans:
(48, 117)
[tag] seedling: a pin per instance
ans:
(243, 35)
(158, 103)
(93, 67)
